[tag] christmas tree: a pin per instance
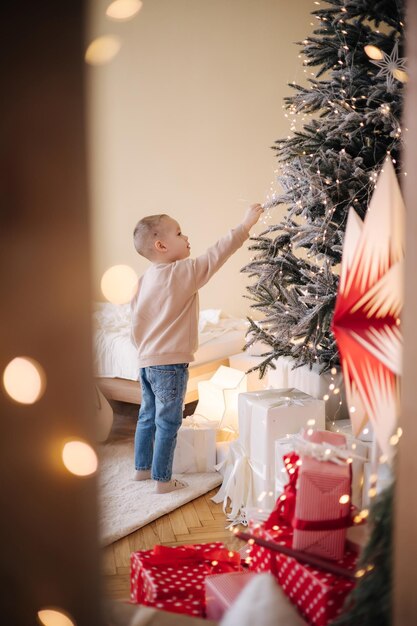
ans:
(353, 104)
(370, 601)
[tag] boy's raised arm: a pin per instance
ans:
(211, 261)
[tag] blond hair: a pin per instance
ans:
(146, 230)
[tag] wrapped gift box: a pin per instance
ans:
(318, 594)
(344, 426)
(222, 451)
(360, 453)
(225, 435)
(262, 559)
(250, 467)
(384, 478)
(319, 503)
(282, 447)
(359, 448)
(194, 608)
(174, 577)
(222, 590)
(195, 451)
(268, 415)
(277, 376)
(312, 381)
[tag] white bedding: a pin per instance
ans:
(115, 355)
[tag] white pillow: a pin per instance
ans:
(262, 602)
(208, 317)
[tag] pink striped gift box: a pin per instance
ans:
(222, 590)
(321, 514)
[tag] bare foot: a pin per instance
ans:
(171, 485)
(142, 475)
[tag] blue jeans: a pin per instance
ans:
(160, 416)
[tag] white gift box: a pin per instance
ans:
(345, 427)
(384, 478)
(222, 451)
(360, 449)
(312, 381)
(282, 447)
(278, 376)
(264, 416)
(195, 451)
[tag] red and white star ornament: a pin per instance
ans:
(366, 321)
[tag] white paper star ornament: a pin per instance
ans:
(392, 67)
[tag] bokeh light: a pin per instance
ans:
(79, 458)
(54, 617)
(24, 380)
(118, 284)
(102, 50)
(121, 10)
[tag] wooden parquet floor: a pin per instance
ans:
(199, 521)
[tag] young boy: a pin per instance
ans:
(165, 332)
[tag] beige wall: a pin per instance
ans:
(182, 121)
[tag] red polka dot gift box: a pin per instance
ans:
(318, 594)
(173, 578)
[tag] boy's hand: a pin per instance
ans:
(252, 215)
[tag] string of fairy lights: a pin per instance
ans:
(398, 72)
(25, 380)
(394, 69)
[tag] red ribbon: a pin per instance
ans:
(284, 510)
(217, 560)
(325, 524)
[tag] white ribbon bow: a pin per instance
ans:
(323, 451)
(237, 482)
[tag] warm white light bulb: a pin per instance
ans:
(118, 284)
(24, 380)
(373, 52)
(102, 50)
(400, 75)
(79, 458)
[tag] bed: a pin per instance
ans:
(115, 360)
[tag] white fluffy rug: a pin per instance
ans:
(126, 504)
